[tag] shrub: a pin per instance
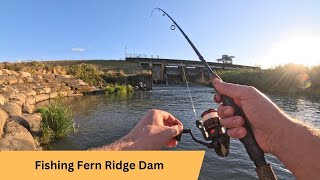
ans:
(88, 73)
(111, 89)
(57, 122)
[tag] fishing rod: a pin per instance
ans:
(256, 154)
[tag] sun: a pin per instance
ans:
(298, 49)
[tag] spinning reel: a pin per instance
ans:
(211, 130)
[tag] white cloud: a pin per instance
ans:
(78, 49)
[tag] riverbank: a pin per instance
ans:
(20, 92)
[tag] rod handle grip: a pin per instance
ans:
(254, 151)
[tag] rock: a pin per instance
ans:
(0, 72)
(54, 95)
(40, 91)
(8, 91)
(3, 79)
(25, 74)
(3, 119)
(63, 93)
(34, 121)
(15, 73)
(19, 97)
(20, 120)
(12, 80)
(64, 77)
(6, 71)
(47, 90)
(20, 80)
(3, 99)
(42, 97)
(17, 138)
(31, 100)
(28, 108)
(17, 102)
(29, 80)
(12, 108)
(29, 92)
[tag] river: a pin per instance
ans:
(102, 119)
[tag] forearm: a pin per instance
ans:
(121, 144)
(298, 147)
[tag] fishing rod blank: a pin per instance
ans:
(256, 154)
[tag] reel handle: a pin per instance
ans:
(255, 152)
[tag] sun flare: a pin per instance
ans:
(298, 49)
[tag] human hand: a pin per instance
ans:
(265, 117)
(154, 131)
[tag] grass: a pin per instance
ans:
(57, 122)
(118, 89)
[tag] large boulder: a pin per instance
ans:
(12, 108)
(17, 138)
(20, 120)
(3, 119)
(34, 121)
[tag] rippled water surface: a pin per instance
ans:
(103, 119)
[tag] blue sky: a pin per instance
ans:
(262, 33)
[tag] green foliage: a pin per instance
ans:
(129, 88)
(57, 122)
(88, 73)
(283, 78)
(119, 89)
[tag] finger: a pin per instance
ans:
(231, 90)
(172, 143)
(169, 118)
(176, 130)
(225, 111)
(217, 98)
(238, 132)
(232, 122)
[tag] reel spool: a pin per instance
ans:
(212, 130)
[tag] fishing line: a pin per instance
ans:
(187, 83)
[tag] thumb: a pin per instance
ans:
(176, 130)
(229, 89)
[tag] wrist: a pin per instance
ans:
(279, 136)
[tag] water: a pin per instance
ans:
(104, 119)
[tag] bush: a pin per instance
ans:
(57, 122)
(88, 73)
(111, 89)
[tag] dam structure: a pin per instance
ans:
(171, 71)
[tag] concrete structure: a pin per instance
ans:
(171, 71)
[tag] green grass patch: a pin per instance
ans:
(118, 89)
(57, 122)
